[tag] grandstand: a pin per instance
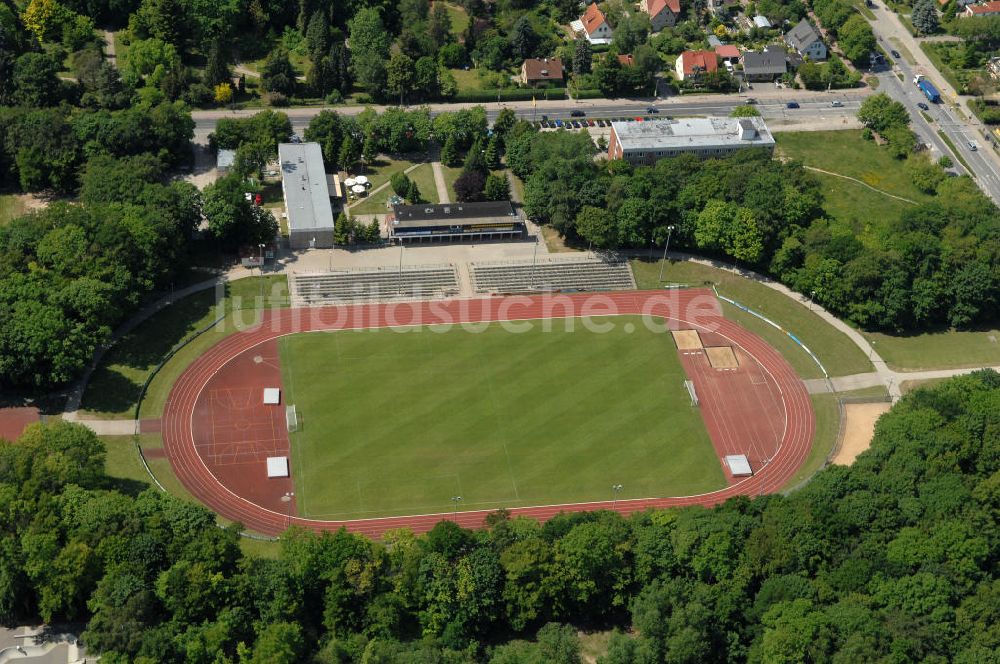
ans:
(373, 284)
(577, 274)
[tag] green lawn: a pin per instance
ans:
(11, 207)
(467, 80)
(827, 430)
(450, 175)
(423, 175)
(399, 423)
(836, 351)
(938, 350)
(115, 385)
(847, 153)
(459, 19)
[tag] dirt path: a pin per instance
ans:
(859, 427)
(439, 182)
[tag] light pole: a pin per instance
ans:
(534, 258)
(400, 291)
(670, 230)
(616, 489)
(287, 499)
(812, 296)
(456, 500)
(261, 245)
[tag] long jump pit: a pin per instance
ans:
(219, 434)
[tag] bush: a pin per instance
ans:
(335, 97)
(987, 111)
(276, 99)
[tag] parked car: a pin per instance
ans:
(575, 124)
(559, 123)
(836, 103)
(545, 118)
(895, 54)
(652, 110)
(577, 114)
(590, 123)
(792, 104)
(639, 118)
(922, 106)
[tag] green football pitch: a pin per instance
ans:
(397, 422)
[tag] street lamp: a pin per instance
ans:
(670, 230)
(261, 245)
(456, 500)
(400, 291)
(287, 499)
(615, 488)
(812, 296)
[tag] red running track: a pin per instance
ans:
(696, 308)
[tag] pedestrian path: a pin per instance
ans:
(442, 187)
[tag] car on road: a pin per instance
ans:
(895, 54)
(792, 104)
(577, 114)
(751, 100)
(922, 106)
(836, 103)
(973, 146)
(652, 110)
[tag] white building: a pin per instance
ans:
(644, 143)
(307, 193)
(593, 26)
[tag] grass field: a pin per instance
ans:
(827, 430)
(115, 384)
(847, 153)
(836, 351)
(10, 208)
(459, 19)
(399, 423)
(422, 175)
(938, 350)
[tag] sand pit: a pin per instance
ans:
(687, 339)
(722, 357)
(859, 428)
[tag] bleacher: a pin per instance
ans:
(578, 274)
(373, 284)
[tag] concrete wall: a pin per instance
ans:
(301, 239)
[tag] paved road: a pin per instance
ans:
(771, 102)
(984, 162)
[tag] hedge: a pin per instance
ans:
(511, 94)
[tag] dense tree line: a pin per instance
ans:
(935, 265)
(891, 559)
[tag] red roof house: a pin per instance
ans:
(662, 13)
(696, 63)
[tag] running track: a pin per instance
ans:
(695, 308)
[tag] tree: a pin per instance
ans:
(439, 24)
(369, 49)
(232, 219)
(223, 94)
(582, 57)
(880, 112)
(400, 74)
(902, 141)
(449, 151)
(523, 39)
(369, 151)
(279, 643)
(497, 187)
(43, 18)
(35, 81)
(348, 154)
(925, 16)
(492, 155)
(857, 39)
(217, 69)
(318, 35)
(597, 225)
(744, 111)
(469, 186)
(278, 75)
(925, 174)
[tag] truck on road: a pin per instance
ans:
(927, 88)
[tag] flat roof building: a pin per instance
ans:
(644, 143)
(224, 160)
(492, 220)
(307, 193)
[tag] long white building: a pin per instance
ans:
(644, 143)
(307, 195)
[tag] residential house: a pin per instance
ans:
(714, 42)
(538, 72)
(662, 13)
(693, 64)
(593, 26)
(984, 9)
(626, 60)
(764, 66)
(961, 4)
(224, 161)
(728, 53)
(761, 22)
(806, 41)
(645, 143)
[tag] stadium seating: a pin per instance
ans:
(583, 274)
(373, 284)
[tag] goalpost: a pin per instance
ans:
(291, 418)
(690, 388)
